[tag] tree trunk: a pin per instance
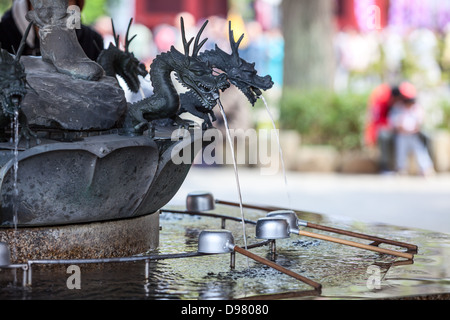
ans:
(309, 54)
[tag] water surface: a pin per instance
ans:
(343, 271)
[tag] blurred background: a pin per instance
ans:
(326, 58)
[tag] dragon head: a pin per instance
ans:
(197, 75)
(241, 73)
(13, 83)
(123, 63)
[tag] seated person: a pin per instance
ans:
(406, 118)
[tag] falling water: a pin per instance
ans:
(283, 167)
(16, 164)
(141, 91)
(15, 140)
(230, 141)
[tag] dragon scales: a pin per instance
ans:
(195, 72)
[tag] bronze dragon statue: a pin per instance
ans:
(13, 89)
(193, 73)
(239, 72)
(116, 62)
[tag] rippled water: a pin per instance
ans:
(336, 267)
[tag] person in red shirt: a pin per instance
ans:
(378, 132)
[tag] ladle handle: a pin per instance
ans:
(355, 244)
(362, 236)
(275, 266)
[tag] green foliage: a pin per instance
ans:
(445, 108)
(93, 9)
(4, 6)
(244, 7)
(324, 117)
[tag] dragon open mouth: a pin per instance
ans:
(252, 89)
(256, 91)
(132, 80)
(205, 88)
(16, 100)
(11, 101)
(206, 94)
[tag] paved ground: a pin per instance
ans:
(403, 201)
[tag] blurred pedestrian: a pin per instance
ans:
(165, 36)
(406, 118)
(378, 132)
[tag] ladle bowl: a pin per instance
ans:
(215, 242)
(272, 228)
(200, 201)
(5, 255)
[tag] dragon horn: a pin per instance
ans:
(128, 41)
(186, 44)
(23, 42)
(234, 45)
(116, 37)
(198, 46)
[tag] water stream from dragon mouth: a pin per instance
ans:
(230, 142)
(280, 151)
(16, 139)
(141, 89)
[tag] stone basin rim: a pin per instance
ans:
(73, 224)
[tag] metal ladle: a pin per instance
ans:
(5, 255)
(5, 262)
(280, 227)
(376, 240)
(200, 201)
(222, 241)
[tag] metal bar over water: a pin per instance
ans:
(147, 258)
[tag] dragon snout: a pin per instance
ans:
(12, 100)
(142, 70)
(266, 82)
